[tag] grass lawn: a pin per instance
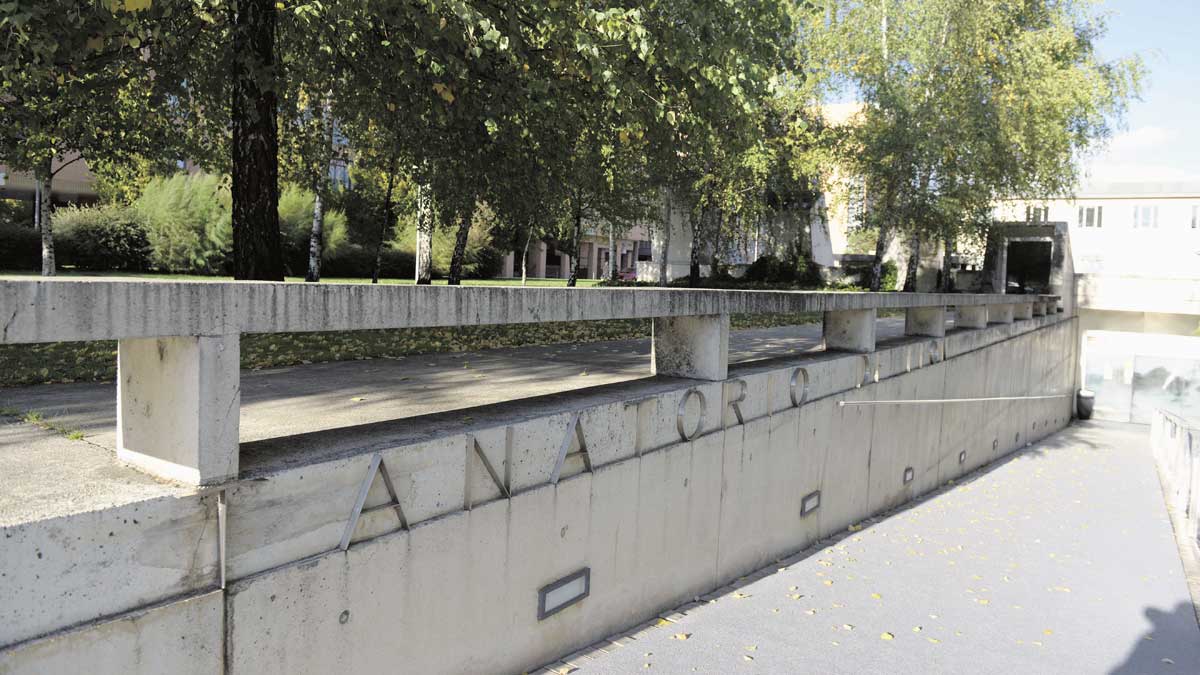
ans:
(330, 280)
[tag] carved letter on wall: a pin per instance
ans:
(735, 403)
(799, 387)
(682, 412)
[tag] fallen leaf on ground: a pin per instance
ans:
(886, 636)
(681, 636)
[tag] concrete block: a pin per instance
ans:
(178, 406)
(781, 514)
(1023, 310)
(610, 430)
(691, 346)
(971, 316)
(844, 488)
(63, 571)
(496, 445)
(1000, 314)
(748, 397)
(850, 330)
(1039, 308)
(744, 500)
(926, 321)
(185, 636)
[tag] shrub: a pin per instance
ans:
(482, 260)
(353, 260)
(20, 247)
(770, 268)
(188, 222)
(101, 238)
(889, 275)
(295, 228)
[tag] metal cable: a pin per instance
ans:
(954, 400)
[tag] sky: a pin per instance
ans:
(1161, 138)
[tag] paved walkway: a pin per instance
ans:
(300, 399)
(1059, 560)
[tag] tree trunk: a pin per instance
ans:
(947, 281)
(525, 255)
(576, 241)
(424, 235)
(388, 219)
(460, 247)
(612, 254)
(715, 259)
(257, 253)
(45, 183)
(881, 247)
(666, 239)
(315, 238)
(913, 266)
(694, 258)
(37, 205)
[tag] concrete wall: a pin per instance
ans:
(1176, 446)
(657, 519)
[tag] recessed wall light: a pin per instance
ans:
(810, 503)
(558, 595)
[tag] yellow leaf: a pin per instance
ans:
(886, 636)
(444, 91)
(359, 398)
(876, 596)
(681, 636)
(663, 622)
(828, 582)
(136, 5)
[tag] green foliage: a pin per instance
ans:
(20, 247)
(862, 240)
(889, 279)
(771, 269)
(482, 259)
(109, 237)
(187, 219)
(295, 224)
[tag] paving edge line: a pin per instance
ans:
(1189, 551)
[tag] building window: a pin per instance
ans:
(1196, 217)
(1145, 217)
(1037, 214)
(1091, 216)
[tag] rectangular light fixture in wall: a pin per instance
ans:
(557, 596)
(810, 503)
(909, 474)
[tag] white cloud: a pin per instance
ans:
(1140, 139)
(1146, 153)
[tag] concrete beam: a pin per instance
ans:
(926, 321)
(105, 309)
(851, 330)
(691, 346)
(1000, 313)
(178, 404)
(969, 316)
(1023, 310)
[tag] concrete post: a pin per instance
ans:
(971, 316)
(1023, 310)
(178, 403)
(539, 266)
(509, 265)
(851, 330)
(1000, 314)
(927, 321)
(1039, 308)
(691, 346)
(564, 269)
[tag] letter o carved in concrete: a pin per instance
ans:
(799, 387)
(682, 412)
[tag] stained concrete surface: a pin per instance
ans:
(1059, 560)
(299, 399)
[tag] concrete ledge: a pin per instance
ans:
(90, 309)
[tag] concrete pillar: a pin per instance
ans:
(851, 330)
(691, 346)
(971, 316)
(509, 265)
(929, 321)
(178, 403)
(1039, 308)
(594, 262)
(539, 261)
(1000, 314)
(564, 270)
(1023, 310)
